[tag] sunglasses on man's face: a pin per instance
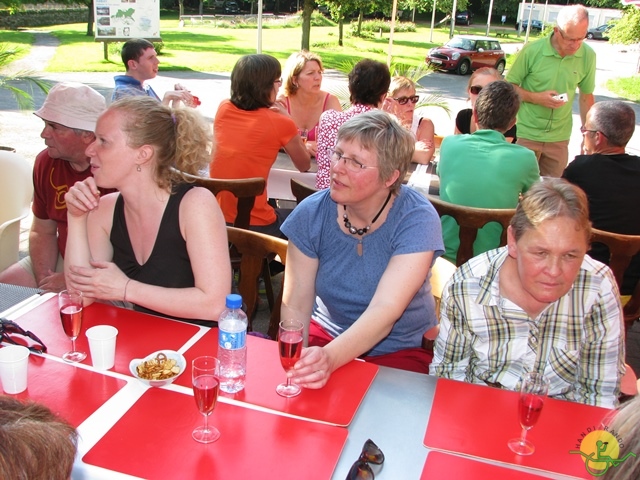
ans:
(14, 334)
(404, 100)
(361, 470)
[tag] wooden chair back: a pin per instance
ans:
(254, 248)
(244, 189)
(470, 220)
(622, 248)
(301, 190)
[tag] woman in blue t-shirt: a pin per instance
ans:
(359, 257)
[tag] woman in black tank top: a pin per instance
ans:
(139, 246)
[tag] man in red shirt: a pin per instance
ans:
(70, 113)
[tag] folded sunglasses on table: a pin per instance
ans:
(13, 334)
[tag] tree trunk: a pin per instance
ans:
(340, 30)
(90, 19)
(360, 17)
(200, 7)
(307, 10)
(180, 8)
(276, 8)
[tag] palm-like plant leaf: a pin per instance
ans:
(412, 72)
(14, 81)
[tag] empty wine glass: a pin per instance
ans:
(533, 389)
(205, 374)
(290, 344)
(70, 303)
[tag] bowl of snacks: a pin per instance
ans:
(159, 368)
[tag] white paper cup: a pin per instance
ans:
(102, 344)
(14, 361)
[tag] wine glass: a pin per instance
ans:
(70, 303)
(205, 373)
(304, 134)
(533, 389)
(290, 344)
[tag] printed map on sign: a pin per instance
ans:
(120, 19)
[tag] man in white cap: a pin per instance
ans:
(70, 113)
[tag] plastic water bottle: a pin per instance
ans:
(232, 345)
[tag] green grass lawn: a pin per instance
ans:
(208, 48)
(628, 88)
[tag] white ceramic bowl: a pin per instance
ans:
(171, 354)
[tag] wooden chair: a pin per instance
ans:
(441, 272)
(244, 189)
(622, 248)
(301, 190)
(254, 248)
(470, 220)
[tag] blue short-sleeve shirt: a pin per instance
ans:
(346, 282)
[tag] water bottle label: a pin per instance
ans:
(232, 340)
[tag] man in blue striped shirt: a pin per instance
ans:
(538, 304)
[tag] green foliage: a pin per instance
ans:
(374, 26)
(615, 4)
(445, 6)
(627, 29)
(9, 82)
(319, 20)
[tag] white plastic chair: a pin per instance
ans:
(16, 190)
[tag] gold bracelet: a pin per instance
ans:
(125, 289)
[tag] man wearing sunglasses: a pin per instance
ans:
(546, 74)
(610, 178)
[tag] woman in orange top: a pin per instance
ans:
(249, 131)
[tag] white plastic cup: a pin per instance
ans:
(102, 344)
(14, 362)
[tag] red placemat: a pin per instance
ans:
(337, 402)
(73, 393)
(444, 465)
(479, 421)
(138, 334)
(153, 440)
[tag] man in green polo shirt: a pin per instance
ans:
(546, 74)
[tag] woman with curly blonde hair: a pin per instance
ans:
(160, 243)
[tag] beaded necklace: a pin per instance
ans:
(361, 231)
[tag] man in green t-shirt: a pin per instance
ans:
(546, 74)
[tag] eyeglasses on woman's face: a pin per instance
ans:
(403, 100)
(350, 164)
(475, 89)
